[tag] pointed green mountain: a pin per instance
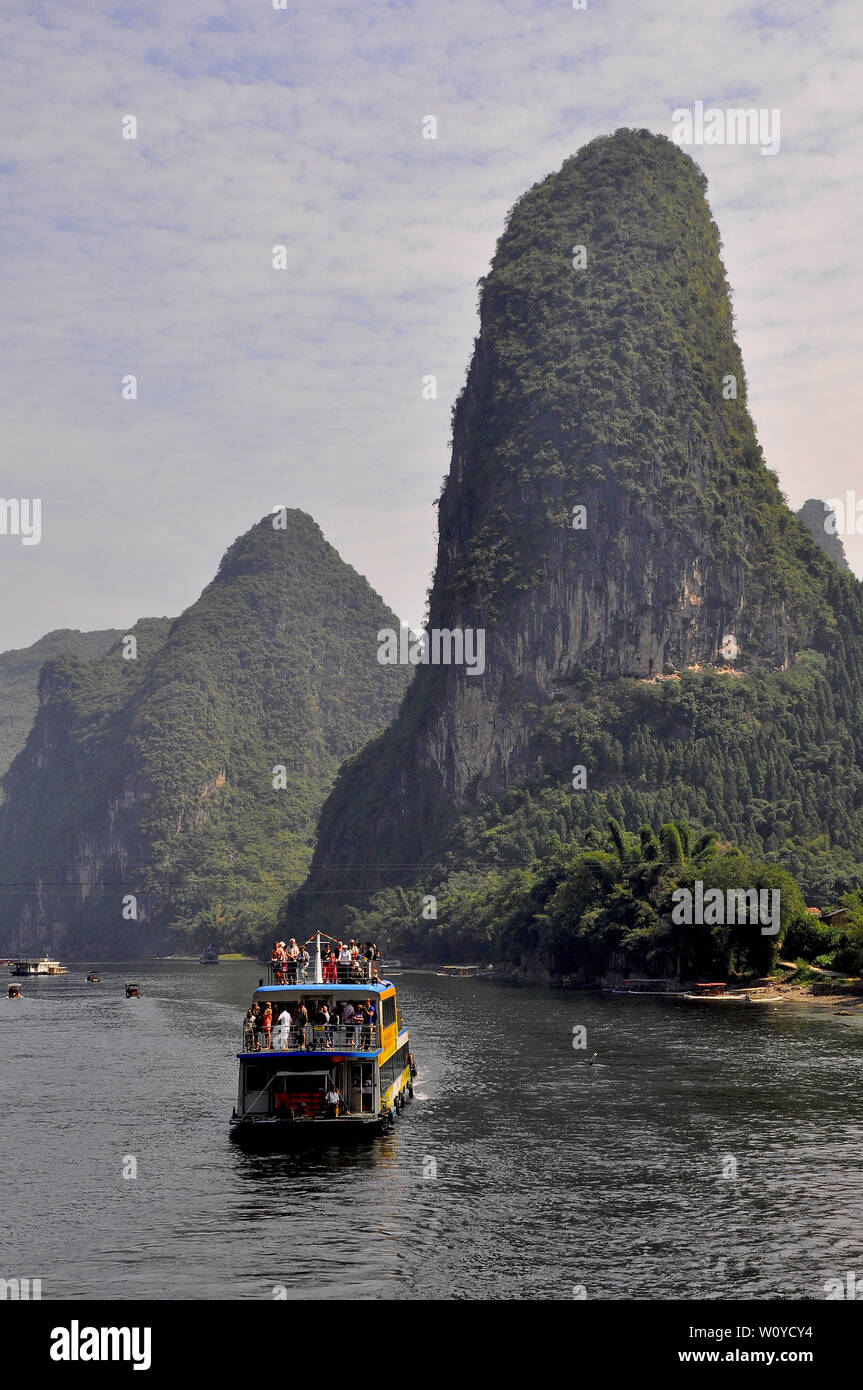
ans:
(690, 646)
(190, 777)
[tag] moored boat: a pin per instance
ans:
(717, 992)
(44, 965)
(330, 1079)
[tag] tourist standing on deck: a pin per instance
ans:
(282, 1035)
(301, 1022)
(303, 960)
(344, 962)
(328, 965)
(292, 953)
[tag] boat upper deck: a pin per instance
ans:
(350, 1019)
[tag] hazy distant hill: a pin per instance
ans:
(19, 678)
(813, 515)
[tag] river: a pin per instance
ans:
(707, 1153)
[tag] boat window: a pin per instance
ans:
(388, 1011)
(393, 1067)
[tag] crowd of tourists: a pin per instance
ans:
(318, 1027)
(342, 962)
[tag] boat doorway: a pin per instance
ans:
(361, 1087)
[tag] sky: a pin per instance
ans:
(302, 387)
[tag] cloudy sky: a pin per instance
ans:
(303, 126)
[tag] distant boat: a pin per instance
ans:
(14, 991)
(94, 978)
(131, 990)
(460, 972)
(209, 955)
(43, 966)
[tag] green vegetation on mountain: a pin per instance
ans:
(192, 776)
(694, 648)
(19, 680)
(604, 899)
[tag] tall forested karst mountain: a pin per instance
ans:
(192, 776)
(658, 644)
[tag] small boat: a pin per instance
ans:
(459, 972)
(94, 978)
(320, 1082)
(131, 990)
(14, 991)
(43, 966)
(209, 955)
(719, 993)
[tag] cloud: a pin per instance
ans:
(303, 386)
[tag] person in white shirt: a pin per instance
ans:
(344, 962)
(332, 1099)
(282, 1032)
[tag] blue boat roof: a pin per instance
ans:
(328, 1057)
(343, 991)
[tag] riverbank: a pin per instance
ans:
(829, 991)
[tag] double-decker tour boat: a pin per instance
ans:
(341, 1069)
(43, 966)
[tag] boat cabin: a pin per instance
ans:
(342, 1057)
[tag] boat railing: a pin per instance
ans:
(314, 1037)
(359, 972)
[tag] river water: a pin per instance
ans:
(519, 1170)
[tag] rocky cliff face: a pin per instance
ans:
(177, 791)
(607, 506)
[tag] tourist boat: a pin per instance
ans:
(209, 955)
(93, 978)
(283, 1088)
(647, 986)
(131, 990)
(43, 966)
(14, 991)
